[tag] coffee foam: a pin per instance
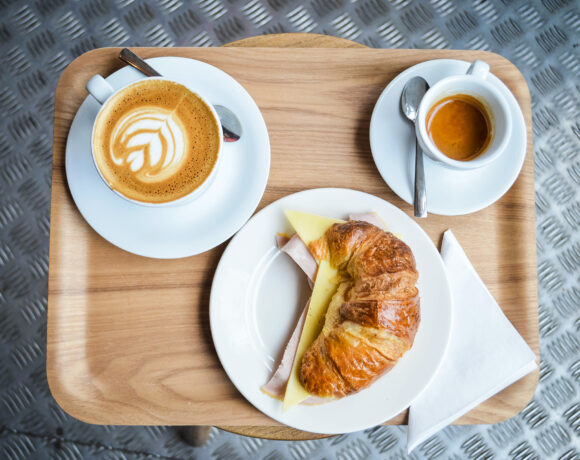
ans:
(155, 141)
(150, 141)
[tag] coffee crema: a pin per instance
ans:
(156, 141)
(459, 126)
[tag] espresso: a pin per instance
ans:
(459, 126)
(156, 141)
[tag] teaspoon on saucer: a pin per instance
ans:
(413, 92)
(231, 126)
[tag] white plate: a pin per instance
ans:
(449, 192)
(258, 294)
(190, 228)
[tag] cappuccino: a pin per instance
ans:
(155, 141)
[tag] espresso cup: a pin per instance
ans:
(475, 88)
(155, 142)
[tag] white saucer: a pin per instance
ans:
(194, 227)
(258, 294)
(449, 192)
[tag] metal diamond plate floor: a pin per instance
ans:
(38, 38)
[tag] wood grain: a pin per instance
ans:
(128, 337)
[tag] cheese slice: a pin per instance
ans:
(322, 292)
(310, 227)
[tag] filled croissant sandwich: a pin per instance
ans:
(363, 322)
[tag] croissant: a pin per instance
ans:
(372, 318)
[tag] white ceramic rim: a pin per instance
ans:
(195, 193)
(444, 88)
(194, 227)
(233, 302)
(396, 166)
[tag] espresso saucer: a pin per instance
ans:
(449, 192)
(193, 227)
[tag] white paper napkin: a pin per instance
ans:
(485, 352)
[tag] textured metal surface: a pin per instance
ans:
(38, 38)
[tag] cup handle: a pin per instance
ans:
(99, 88)
(478, 69)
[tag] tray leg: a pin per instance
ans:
(196, 436)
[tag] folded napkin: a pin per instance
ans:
(485, 352)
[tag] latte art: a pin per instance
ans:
(155, 141)
(150, 142)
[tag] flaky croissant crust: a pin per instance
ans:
(374, 315)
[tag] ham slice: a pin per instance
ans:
(300, 254)
(370, 217)
(276, 386)
(295, 248)
(281, 240)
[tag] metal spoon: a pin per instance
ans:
(231, 126)
(413, 92)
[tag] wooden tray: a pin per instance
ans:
(128, 337)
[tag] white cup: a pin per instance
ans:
(474, 83)
(103, 92)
